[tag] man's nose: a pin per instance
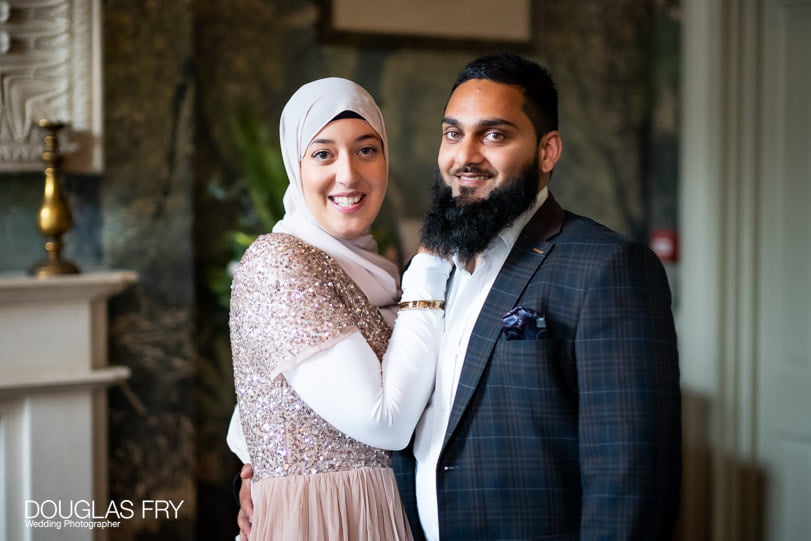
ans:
(468, 152)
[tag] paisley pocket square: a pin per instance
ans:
(523, 324)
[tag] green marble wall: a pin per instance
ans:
(175, 76)
(147, 197)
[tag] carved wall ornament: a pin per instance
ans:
(50, 68)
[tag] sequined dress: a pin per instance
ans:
(311, 481)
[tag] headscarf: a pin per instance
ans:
(311, 108)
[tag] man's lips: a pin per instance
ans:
(471, 177)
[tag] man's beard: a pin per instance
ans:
(464, 225)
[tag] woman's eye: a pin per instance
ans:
(368, 151)
(320, 155)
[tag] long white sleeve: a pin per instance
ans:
(346, 385)
(236, 438)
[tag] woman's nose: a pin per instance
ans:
(346, 172)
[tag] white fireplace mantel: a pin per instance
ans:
(53, 411)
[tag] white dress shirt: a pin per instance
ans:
(466, 295)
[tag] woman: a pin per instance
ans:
(311, 309)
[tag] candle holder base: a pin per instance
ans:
(49, 267)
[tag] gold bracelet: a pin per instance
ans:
(414, 305)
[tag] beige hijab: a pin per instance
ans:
(311, 108)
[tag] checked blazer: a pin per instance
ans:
(575, 435)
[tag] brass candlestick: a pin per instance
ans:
(54, 219)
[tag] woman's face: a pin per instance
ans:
(344, 175)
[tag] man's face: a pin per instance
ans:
(486, 138)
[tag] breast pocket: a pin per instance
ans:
(532, 367)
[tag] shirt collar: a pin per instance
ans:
(509, 235)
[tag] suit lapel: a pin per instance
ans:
(526, 256)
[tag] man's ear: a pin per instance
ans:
(549, 150)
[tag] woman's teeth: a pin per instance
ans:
(343, 201)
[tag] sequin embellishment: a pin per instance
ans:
(288, 300)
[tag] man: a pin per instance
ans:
(568, 431)
(556, 411)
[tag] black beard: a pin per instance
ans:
(465, 226)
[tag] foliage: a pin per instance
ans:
(258, 193)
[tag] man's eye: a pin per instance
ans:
(494, 136)
(451, 134)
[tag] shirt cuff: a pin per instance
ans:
(236, 438)
(426, 278)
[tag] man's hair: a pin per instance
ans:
(535, 82)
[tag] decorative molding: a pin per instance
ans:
(720, 220)
(18, 288)
(54, 372)
(51, 68)
(699, 316)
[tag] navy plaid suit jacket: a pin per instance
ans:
(576, 435)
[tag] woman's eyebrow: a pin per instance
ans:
(321, 141)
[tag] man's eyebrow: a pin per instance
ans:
(481, 124)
